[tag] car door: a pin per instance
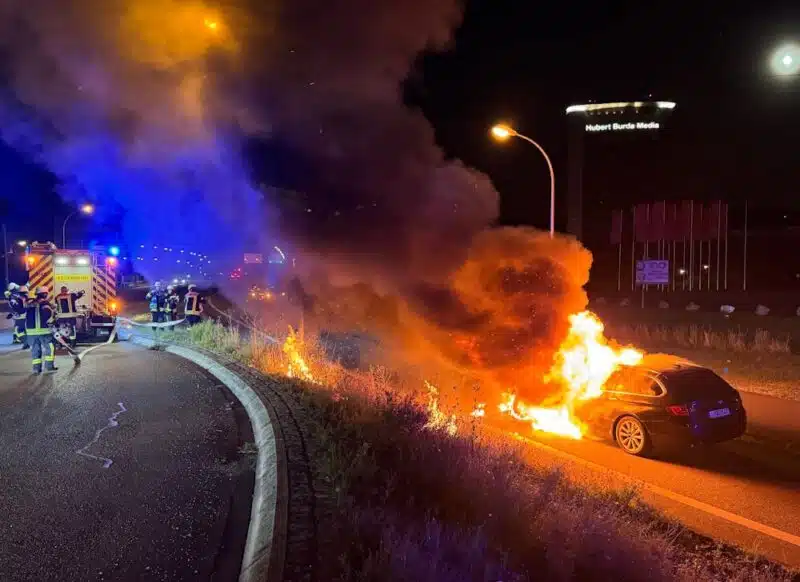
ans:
(629, 391)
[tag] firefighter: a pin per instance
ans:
(67, 312)
(171, 304)
(157, 299)
(17, 298)
(39, 317)
(193, 305)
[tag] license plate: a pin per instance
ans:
(719, 413)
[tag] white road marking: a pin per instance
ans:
(112, 422)
(705, 507)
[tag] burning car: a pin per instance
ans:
(665, 401)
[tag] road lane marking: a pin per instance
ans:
(705, 507)
(112, 423)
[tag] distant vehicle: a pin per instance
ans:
(666, 402)
(257, 293)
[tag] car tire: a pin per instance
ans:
(632, 437)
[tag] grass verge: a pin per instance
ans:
(406, 500)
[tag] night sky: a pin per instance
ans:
(732, 136)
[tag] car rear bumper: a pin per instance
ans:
(684, 431)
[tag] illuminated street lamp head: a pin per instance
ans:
(22, 243)
(502, 132)
(786, 60)
(87, 209)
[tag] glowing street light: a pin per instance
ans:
(87, 209)
(502, 132)
(22, 243)
(785, 60)
(211, 24)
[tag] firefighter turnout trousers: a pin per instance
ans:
(43, 349)
(20, 337)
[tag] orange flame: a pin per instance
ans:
(297, 366)
(438, 420)
(582, 365)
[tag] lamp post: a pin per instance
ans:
(503, 132)
(87, 209)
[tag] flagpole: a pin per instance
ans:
(744, 271)
(633, 252)
(691, 246)
(619, 252)
(726, 248)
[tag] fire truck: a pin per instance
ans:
(91, 271)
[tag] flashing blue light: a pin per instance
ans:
(113, 251)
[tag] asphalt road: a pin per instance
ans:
(742, 492)
(127, 467)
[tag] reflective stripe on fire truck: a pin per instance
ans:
(104, 287)
(40, 274)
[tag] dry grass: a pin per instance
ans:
(407, 502)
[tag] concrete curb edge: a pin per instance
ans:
(259, 558)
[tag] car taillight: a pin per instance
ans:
(678, 410)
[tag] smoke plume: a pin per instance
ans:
(146, 105)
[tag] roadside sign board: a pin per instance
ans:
(253, 258)
(652, 272)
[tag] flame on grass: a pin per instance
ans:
(438, 420)
(296, 366)
(582, 365)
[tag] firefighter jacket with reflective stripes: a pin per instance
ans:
(193, 303)
(16, 302)
(38, 317)
(171, 303)
(65, 304)
(157, 300)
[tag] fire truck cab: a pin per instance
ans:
(91, 271)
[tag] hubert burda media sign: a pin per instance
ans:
(630, 126)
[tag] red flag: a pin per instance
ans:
(616, 227)
(698, 226)
(685, 219)
(672, 226)
(658, 215)
(715, 218)
(642, 222)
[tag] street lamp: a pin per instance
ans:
(502, 132)
(785, 61)
(22, 243)
(87, 209)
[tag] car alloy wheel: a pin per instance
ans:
(631, 436)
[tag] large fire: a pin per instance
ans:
(582, 365)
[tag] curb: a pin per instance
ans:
(261, 562)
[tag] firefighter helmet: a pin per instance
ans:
(13, 286)
(192, 287)
(23, 289)
(42, 290)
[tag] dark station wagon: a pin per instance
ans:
(665, 402)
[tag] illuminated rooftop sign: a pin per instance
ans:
(595, 107)
(631, 126)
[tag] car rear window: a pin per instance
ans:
(694, 383)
